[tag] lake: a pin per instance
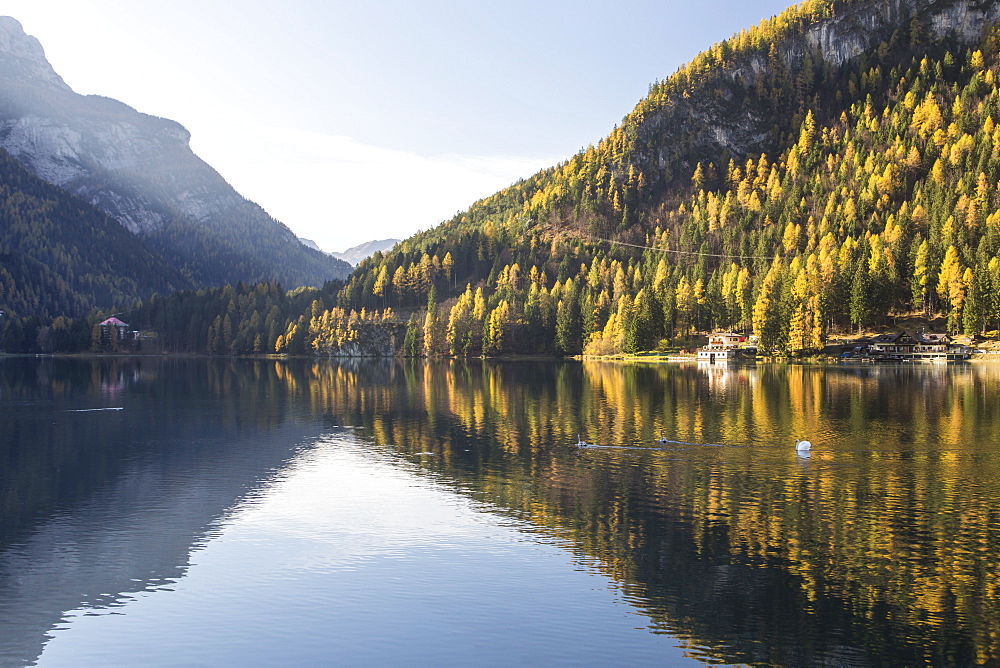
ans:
(164, 511)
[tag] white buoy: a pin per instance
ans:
(802, 446)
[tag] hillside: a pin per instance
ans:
(825, 170)
(141, 171)
(60, 256)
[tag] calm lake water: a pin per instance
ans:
(220, 512)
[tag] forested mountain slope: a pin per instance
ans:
(60, 256)
(832, 166)
(140, 169)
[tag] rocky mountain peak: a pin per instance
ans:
(141, 171)
(22, 57)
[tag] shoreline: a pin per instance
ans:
(646, 357)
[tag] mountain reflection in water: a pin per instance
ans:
(880, 547)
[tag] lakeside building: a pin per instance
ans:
(724, 346)
(917, 346)
(114, 330)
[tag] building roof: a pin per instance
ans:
(113, 322)
(921, 337)
(935, 338)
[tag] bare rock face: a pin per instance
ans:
(140, 169)
(382, 340)
(49, 149)
(68, 139)
(860, 28)
(24, 57)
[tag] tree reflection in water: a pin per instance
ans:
(882, 546)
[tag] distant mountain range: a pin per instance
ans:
(140, 170)
(356, 254)
(360, 252)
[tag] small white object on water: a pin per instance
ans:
(663, 439)
(802, 446)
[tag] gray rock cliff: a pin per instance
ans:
(853, 29)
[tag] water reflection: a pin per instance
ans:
(352, 556)
(880, 546)
(101, 504)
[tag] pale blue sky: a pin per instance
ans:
(350, 120)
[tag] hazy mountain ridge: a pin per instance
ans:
(356, 254)
(23, 58)
(140, 169)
